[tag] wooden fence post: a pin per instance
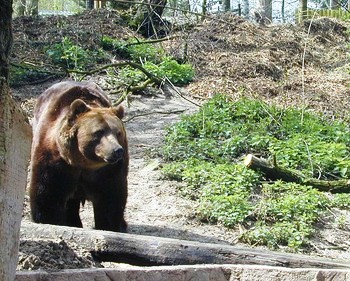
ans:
(15, 139)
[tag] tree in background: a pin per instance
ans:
(33, 7)
(204, 7)
(115, 4)
(148, 18)
(25, 7)
(6, 38)
(19, 7)
(226, 5)
(335, 4)
(282, 11)
(263, 13)
(148, 15)
(302, 10)
(89, 4)
(245, 8)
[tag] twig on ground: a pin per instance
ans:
(154, 112)
(152, 41)
(167, 81)
(150, 76)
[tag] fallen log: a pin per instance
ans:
(274, 172)
(151, 250)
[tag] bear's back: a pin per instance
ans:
(56, 100)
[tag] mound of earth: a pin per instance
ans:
(304, 65)
(33, 34)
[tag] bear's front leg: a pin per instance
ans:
(109, 212)
(72, 212)
(51, 186)
(48, 207)
(107, 189)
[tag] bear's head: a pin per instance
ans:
(92, 137)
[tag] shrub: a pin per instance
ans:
(69, 55)
(213, 141)
(133, 49)
(23, 73)
(152, 58)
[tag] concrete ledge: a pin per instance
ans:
(188, 273)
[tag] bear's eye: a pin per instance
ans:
(98, 134)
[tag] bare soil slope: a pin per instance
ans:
(285, 64)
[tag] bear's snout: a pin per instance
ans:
(116, 155)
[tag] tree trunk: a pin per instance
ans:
(148, 19)
(334, 4)
(151, 250)
(204, 8)
(226, 5)
(33, 7)
(19, 8)
(15, 138)
(266, 10)
(187, 4)
(115, 4)
(5, 36)
(282, 11)
(89, 4)
(302, 15)
(273, 172)
(245, 10)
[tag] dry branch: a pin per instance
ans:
(274, 172)
(151, 41)
(149, 75)
(168, 83)
(154, 112)
(150, 250)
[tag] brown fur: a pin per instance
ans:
(79, 152)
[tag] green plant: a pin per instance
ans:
(152, 58)
(279, 234)
(178, 74)
(69, 55)
(133, 49)
(222, 131)
(108, 43)
(23, 73)
(341, 221)
(341, 201)
(283, 202)
(316, 157)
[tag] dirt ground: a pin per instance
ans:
(289, 65)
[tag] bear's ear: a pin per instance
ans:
(119, 111)
(77, 107)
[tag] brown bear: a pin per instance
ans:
(79, 152)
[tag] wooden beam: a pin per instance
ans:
(15, 139)
(151, 250)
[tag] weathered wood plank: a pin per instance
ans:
(15, 139)
(150, 250)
